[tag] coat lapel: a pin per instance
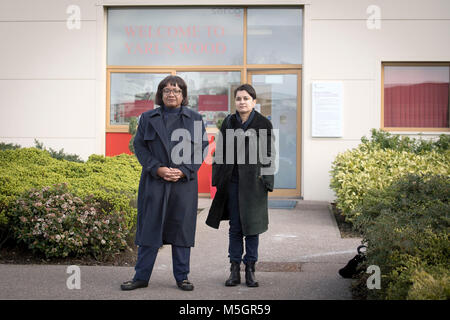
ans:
(156, 120)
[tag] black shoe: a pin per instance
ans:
(185, 285)
(133, 284)
(235, 275)
(250, 275)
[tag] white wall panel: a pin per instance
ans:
(47, 109)
(44, 10)
(389, 9)
(348, 50)
(317, 166)
(47, 50)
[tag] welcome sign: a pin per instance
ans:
(172, 40)
(159, 36)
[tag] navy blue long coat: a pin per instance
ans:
(167, 211)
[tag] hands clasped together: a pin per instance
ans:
(170, 174)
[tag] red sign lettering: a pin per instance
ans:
(172, 48)
(136, 108)
(171, 33)
(213, 103)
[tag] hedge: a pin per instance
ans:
(406, 230)
(377, 163)
(395, 191)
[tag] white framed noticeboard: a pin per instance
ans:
(327, 109)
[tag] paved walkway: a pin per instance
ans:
(299, 258)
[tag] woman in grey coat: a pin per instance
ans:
(243, 172)
(169, 144)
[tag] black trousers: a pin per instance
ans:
(147, 257)
(236, 237)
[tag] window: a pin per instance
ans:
(274, 36)
(205, 46)
(416, 96)
(132, 94)
(214, 49)
(211, 93)
(278, 99)
(175, 36)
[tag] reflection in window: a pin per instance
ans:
(175, 36)
(276, 96)
(211, 93)
(132, 94)
(416, 96)
(274, 36)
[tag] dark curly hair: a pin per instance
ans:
(174, 81)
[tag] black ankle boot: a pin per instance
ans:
(250, 275)
(235, 275)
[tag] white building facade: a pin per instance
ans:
(73, 72)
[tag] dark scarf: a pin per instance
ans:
(244, 125)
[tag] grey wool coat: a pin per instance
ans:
(253, 186)
(167, 211)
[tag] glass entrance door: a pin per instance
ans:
(278, 98)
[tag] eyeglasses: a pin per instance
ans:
(167, 92)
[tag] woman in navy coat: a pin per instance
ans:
(170, 143)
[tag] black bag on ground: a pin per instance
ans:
(352, 266)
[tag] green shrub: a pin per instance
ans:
(375, 164)
(384, 140)
(111, 180)
(60, 155)
(405, 228)
(55, 223)
(219, 123)
(414, 279)
(8, 146)
(132, 129)
(430, 287)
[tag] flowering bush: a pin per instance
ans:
(56, 223)
(111, 180)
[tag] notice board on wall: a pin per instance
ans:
(327, 109)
